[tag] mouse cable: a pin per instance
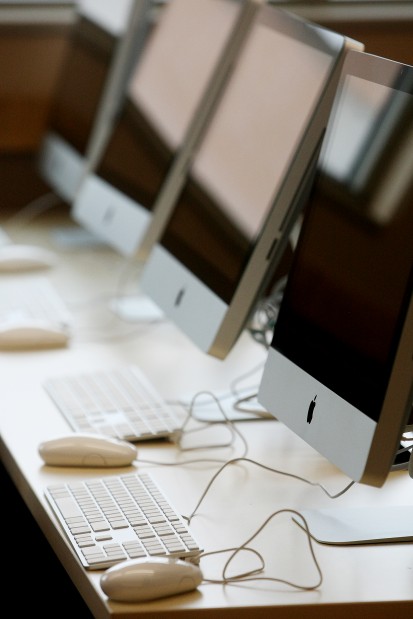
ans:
(253, 575)
(225, 421)
(234, 383)
(267, 468)
(226, 463)
(242, 397)
(239, 404)
(180, 435)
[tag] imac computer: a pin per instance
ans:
(232, 220)
(127, 197)
(339, 371)
(103, 48)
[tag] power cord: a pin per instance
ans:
(266, 314)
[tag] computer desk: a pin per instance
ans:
(361, 581)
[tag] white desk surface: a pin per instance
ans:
(368, 580)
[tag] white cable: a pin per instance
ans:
(252, 575)
(272, 470)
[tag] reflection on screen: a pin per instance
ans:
(370, 155)
(352, 279)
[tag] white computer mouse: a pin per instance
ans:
(81, 449)
(29, 333)
(16, 257)
(140, 580)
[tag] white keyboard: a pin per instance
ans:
(114, 518)
(119, 402)
(32, 298)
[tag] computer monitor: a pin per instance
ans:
(126, 199)
(231, 223)
(103, 49)
(339, 371)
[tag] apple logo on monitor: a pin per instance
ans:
(311, 410)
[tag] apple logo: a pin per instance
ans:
(311, 408)
(179, 297)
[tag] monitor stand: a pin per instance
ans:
(364, 525)
(136, 308)
(360, 525)
(132, 308)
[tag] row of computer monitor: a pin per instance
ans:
(196, 140)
